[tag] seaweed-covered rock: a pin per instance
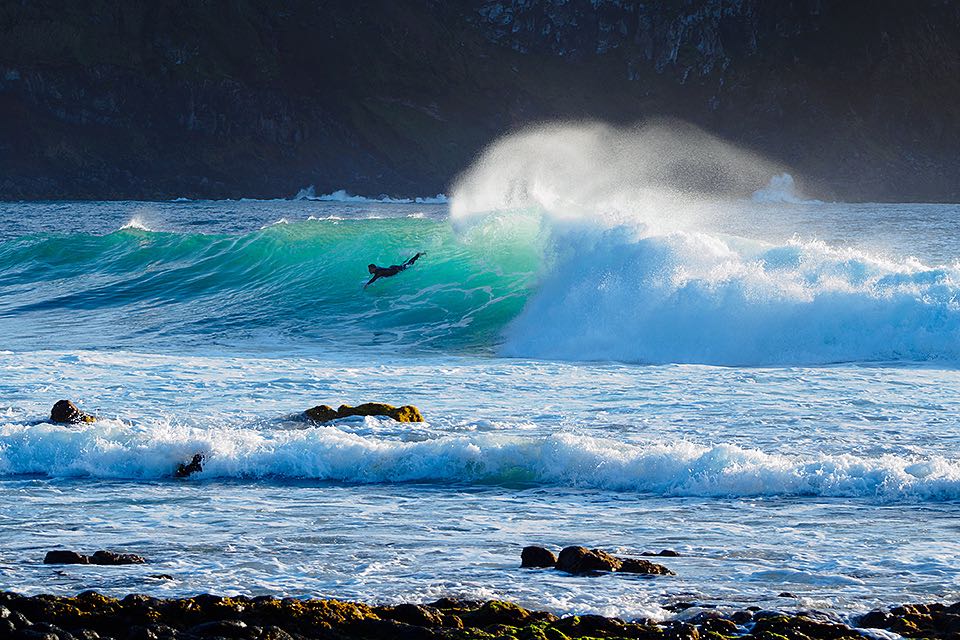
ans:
(90, 616)
(325, 413)
(533, 556)
(65, 412)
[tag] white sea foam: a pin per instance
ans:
(692, 297)
(275, 223)
(112, 449)
(633, 269)
(136, 223)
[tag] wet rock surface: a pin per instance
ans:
(326, 413)
(581, 560)
(537, 557)
(92, 616)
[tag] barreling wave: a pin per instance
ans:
(111, 449)
(520, 284)
(301, 282)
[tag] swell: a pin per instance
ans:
(517, 283)
(112, 449)
(298, 281)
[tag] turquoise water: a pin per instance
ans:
(776, 401)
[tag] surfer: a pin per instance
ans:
(386, 272)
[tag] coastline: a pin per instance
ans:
(92, 616)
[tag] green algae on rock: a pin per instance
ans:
(326, 413)
(93, 615)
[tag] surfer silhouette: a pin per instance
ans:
(386, 272)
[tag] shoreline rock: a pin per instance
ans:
(92, 615)
(326, 413)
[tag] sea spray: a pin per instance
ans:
(633, 268)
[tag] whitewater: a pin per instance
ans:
(631, 340)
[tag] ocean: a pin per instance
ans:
(769, 388)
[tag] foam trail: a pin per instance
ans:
(112, 449)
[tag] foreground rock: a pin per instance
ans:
(916, 620)
(325, 413)
(65, 412)
(92, 616)
(100, 557)
(580, 560)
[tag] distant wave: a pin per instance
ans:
(781, 189)
(136, 223)
(114, 450)
(341, 195)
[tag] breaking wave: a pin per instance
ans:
(113, 449)
(573, 242)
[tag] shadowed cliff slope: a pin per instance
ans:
(111, 99)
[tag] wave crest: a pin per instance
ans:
(113, 450)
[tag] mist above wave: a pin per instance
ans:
(635, 265)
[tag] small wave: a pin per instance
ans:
(136, 223)
(341, 195)
(781, 189)
(113, 449)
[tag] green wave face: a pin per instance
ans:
(300, 283)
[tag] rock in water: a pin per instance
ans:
(65, 412)
(325, 413)
(111, 558)
(583, 560)
(666, 553)
(537, 557)
(632, 565)
(100, 557)
(188, 469)
(62, 556)
(322, 413)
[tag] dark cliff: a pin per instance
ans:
(134, 99)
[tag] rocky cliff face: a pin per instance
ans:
(144, 99)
